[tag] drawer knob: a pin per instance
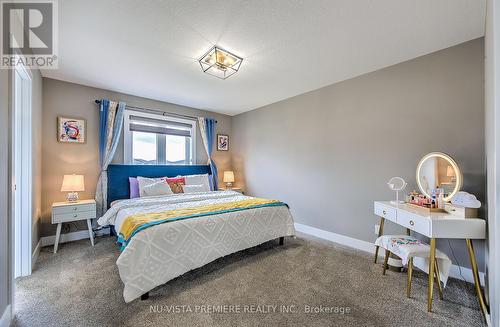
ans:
(75, 208)
(412, 222)
(75, 216)
(383, 212)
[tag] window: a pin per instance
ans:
(151, 139)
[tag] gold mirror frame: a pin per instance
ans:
(452, 162)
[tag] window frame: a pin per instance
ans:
(127, 135)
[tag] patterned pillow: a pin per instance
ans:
(176, 184)
(158, 188)
(144, 181)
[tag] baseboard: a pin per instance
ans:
(370, 248)
(336, 238)
(6, 317)
(73, 236)
(36, 252)
(466, 273)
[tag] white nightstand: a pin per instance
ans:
(236, 189)
(63, 212)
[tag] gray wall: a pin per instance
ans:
(74, 100)
(329, 152)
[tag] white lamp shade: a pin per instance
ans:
(73, 183)
(228, 176)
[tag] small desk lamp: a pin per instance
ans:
(73, 184)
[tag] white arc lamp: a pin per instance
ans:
(228, 178)
(73, 184)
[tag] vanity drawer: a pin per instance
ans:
(414, 222)
(385, 211)
(64, 217)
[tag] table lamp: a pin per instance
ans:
(72, 184)
(228, 178)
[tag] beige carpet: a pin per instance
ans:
(264, 286)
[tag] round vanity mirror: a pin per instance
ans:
(439, 170)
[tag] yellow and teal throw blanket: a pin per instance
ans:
(135, 223)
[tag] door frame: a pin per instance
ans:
(25, 182)
(492, 140)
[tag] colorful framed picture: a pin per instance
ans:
(71, 130)
(222, 142)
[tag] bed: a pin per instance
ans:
(219, 223)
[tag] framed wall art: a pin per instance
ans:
(71, 130)
(222, 142)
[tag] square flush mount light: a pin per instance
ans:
(220, 63)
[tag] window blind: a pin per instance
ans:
(158, 126)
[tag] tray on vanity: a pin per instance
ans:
(424, 209)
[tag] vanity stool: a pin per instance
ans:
(407, 247)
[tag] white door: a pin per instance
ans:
(22, 170)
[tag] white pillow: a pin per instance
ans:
(193, 188)
(144, 181)
(158, 188)
(198, 180)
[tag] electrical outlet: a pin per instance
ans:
(377, 229)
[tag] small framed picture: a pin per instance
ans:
(71, 130)
(222, 142)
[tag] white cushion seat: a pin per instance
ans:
(412, 251)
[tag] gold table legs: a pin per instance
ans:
(475, 273)
(380, 232)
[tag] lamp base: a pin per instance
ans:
(229, 185)
(72, 197)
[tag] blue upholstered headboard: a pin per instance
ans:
(118, 184)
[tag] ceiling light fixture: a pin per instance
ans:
(220, 63)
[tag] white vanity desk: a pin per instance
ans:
(435, 225)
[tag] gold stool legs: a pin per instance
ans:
(410, 273)
(387, 253)
(380, 232)
(475, 273)
(432, 257)
(438, 279)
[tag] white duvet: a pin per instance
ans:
(160, 253)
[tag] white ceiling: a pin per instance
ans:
(150, 48)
